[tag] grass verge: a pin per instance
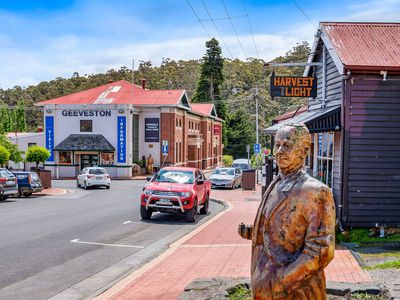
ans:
(395, 264)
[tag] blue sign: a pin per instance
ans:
(164, 148)
(49, 126)
(151, 130)
(121, 139)
(257, 148)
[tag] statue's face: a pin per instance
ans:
(289, 150)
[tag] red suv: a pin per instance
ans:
(176, 189)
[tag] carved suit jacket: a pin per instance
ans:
(293, 239)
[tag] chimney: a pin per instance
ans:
(40, 129)
(144, 84)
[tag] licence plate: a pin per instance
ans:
(10, 183)
(99, 177)
(164, 202)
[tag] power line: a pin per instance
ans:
(233, 27)
(224, 19)
(198, 19)
(216, 27)
(304, 14)
(251, 30)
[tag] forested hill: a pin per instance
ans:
(238, 89)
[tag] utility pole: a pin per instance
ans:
(257, 141)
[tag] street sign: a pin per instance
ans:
(247, 148)
(292, 86)
(257, 148)
(164, 148)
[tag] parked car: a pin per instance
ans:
(242, 163)
(226, 177)
(177, 190)
(93, 176)
(8, 184)
(28, 183)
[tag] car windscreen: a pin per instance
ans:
(5, 173)
(34, 177)
(174, 176)
(241, 166)
(223, 171)
(97, 171)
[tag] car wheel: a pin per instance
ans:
(18, 194)
(27, 195)
(85, 185)
(145, 213)
(204, 209)
(107, 187)
(3, 197)
(191, 214)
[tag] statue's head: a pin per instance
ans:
(292, 143)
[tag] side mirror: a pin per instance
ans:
(149, 178)
(200, 181)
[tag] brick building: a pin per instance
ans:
(119, 123)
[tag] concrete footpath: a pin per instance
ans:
(214, 250)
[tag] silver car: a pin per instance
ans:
(226, 177)
(93, 176)
(8, 184)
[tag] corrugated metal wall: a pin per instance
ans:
(371, 188)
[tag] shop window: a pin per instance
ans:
(86, 125)
(323, 157)
(107, 158)
(65, 157)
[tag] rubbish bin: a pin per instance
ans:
(45, 177)
(249, 179)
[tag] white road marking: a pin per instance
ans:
(130, 222)
(102, 244)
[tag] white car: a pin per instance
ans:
(93, 176)
(226, 177)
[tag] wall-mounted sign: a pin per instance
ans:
(86, 113)
(291, 86)
(151, 130)
(121, 139)
(217, 129)
(49, 124)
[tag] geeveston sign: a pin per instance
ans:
(86, 113)
(291, 86)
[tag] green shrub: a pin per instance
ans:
(37, 154)
(4, 155)
(227, 160)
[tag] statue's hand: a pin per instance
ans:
(245, 231)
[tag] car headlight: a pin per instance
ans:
(148, 192)
(185, 194)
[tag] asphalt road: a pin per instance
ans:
(72, 246)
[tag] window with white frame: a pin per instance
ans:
(323, 157)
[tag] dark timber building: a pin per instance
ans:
(355, 120)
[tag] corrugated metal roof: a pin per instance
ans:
(365, 46)
(290, 114)
(120, 92)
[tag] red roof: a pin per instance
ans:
(202, 108)
(120, 92)
(290, 114)
(365, 46)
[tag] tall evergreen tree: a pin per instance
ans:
(19, 117)
(209, 86)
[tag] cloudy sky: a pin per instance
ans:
(44, 39)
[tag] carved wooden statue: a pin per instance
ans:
(293, 235)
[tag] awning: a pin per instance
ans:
(322, 120)
(85, 142)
